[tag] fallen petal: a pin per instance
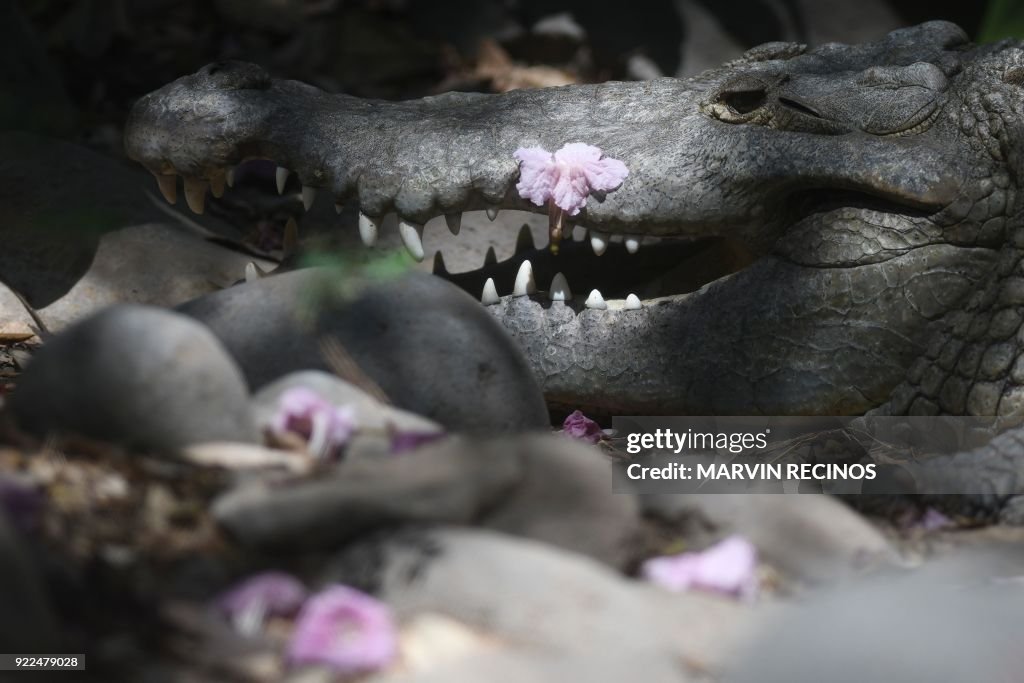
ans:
(728, 568)
(345, 629)
(579, 426)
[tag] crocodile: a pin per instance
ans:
(820, 231)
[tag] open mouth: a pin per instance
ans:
(620, 277)
(595, 270)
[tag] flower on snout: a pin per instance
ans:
(567, 177)
(325, 427)
(269, 594)
(345, 629)
(728, 568)
(579, 426)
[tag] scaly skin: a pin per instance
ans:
(877, 184)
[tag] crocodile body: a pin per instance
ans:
(872, 191)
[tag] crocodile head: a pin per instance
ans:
(821, 216)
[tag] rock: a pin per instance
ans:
(432, 484)
(124, 270)
(140, 376)
(565, 498)
(522, 596)
(27, 623)
(933, 625)
(814, 538)
(542, 487)
(613, 663)
(82, 231)
(430, 347)
(374, 420)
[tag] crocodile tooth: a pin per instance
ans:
(595, 300)
(253, 272)
(290, 241)
(439, 267)
(490, 258)
(412, 237)
(633, 303)
(454, 221)
(524, 280)
(524, 240)
(308, 195)
(598, 242)
(281, 175)
(195, 194)
(168, 185)
(368, 229)
(338, 207)
(492, 212)
(632, 244)
(559, 290)
(490, 295)
(229, 176)
(217, 185)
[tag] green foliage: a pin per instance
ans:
(345, 276)
(1003, 19)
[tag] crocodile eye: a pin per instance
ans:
(743, 101)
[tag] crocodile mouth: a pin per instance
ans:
(620, 277)
(630, 271)
(625, 270)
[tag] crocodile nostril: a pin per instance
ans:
(799, 107)
(743, 101)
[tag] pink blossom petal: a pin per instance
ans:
(537, 174)
(579, 426)
(606, 175)
(568, 176)
(571, 189)
(728, 567)
(266, 594)
(933, 520)
(325, 426)
(346, 630)
(403, 441)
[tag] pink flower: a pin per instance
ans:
(345, 629)
(403, 441)
(933, 520)
(568, 176)
(579, 426)
(728, 567)
(325, 426)
(250, 602)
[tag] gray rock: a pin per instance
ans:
(82, 231)
(432, 484)
(429, 346)
(126, 269)
(373, 418)
(141, 376)
(933, 625)
(611, 662)
(809, 537)
(565, 498)
(534, 597)
(27, 623)
(542, 487)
